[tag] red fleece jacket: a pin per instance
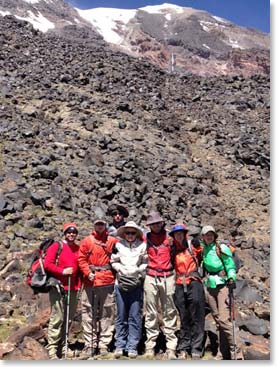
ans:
(68, 258)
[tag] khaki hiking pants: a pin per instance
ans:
(98, 316)
(57, 321)
(160, 290)
(218, 300)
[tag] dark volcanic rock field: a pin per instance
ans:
(83, 126)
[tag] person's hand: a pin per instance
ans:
(132, 273)
(231, 284)
(91, 277)
(67, 271)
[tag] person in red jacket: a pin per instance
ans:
(189, 294)
(98, 299)
(159, 287)
(64, 268)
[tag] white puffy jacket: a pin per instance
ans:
(130, 259)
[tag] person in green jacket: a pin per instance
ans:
(220, 277)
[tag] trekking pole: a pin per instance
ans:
(67, 316)
(232, 316)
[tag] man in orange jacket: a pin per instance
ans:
(98, 300)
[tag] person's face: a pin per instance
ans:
(117, 217)
(100, 227)
(209, 237)
(71, 235)
(179, 236)
(130, 235)
(156, 227)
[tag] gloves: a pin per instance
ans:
(91, 277)
(231, 284)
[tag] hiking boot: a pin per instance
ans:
(132, 354)
(149, 353)
(236, 354)
(52, 354)
(103, 352)
(171, 354)
(86, 353)
(218, 357)
(70, 354)
(183, 355)
(195, 356)
(118, 353)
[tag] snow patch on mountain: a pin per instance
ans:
(4, 13)
(32, 1)
(109, 22)
(38, 21)
(156, 9)
(221, 20)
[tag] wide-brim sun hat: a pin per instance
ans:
(178, 228)
(207, 229)
(154, 217)
(129, 225)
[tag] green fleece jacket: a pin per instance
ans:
(214, 264)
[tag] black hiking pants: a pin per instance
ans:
(190, 303)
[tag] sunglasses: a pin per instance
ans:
(132, 233)
(71, 232)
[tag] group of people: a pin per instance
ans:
(124, 271)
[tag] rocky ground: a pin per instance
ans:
(83, 126)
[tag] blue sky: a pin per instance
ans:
(246, 13)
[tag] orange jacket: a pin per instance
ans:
(186, 265)
(96, 251)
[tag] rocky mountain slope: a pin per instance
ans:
(181, 39)
(83, 126)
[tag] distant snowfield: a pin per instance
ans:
(32, 1)
(4, 13)
(107, 20)
(38, 21)
(154, 9)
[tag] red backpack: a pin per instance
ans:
(37, 277)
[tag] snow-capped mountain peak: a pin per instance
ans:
(168, 35)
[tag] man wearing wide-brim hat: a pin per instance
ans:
(129, 260)
(159, 286)
(119, 213)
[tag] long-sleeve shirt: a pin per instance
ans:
(187, 261)
(68, 258)
(216, 266)
(94, 256)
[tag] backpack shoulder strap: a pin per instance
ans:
(192, 254)
(219, 251)
(58, 252)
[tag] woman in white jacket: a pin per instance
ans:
(129, 260)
